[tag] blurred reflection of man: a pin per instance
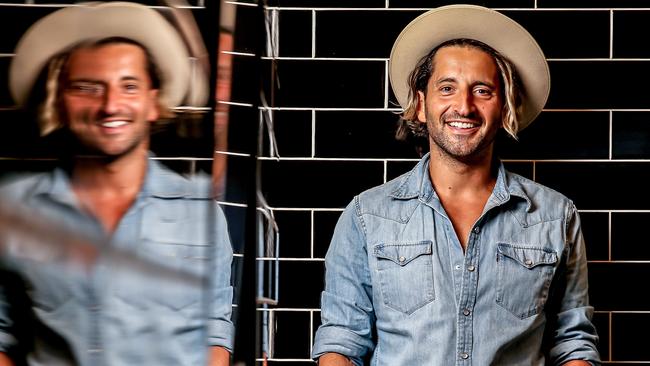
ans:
(110, 71)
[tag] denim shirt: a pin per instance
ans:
(163, 302)
(401, 291)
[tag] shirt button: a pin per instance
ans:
(528, 262)
(471, 268)
(477, 230)
(464, 355)
(457, 267)
(402, 259)
(466, 312)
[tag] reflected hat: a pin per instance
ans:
(496, 30)
(68, 27)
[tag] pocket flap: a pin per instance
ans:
(528, 257)
(402, 253)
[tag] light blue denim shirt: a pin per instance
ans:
(124, 311)
(401, 291)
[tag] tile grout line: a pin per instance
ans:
(311, 238)
(313, 34)
(609, 345)
(313, 133)
(611, 138)
(386, 82)
(609, 236)
(611, 34)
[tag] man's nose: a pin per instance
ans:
(464, 103)
(112, 101)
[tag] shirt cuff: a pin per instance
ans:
(342, 341)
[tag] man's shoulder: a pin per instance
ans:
(19, 187)
(543, 200)
(166, 183)
(388, 199)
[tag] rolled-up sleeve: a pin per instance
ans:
(574, 335)
(347, 314)
(220, 327)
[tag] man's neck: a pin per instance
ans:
(454, 177)
(107, 188)
(463, 188)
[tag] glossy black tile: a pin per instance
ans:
(359, 33)
(317, 183)
(328, 3)
(396, 168)
(628, 236)
(592, 4)
(247, 36)
(246, 79)
(487, 3)
(359, 134)
(331, 84)
(238, 178)
(301, 284)
(595, 229)
(628, 340)
(631, 135)
(568, 133)
(295, 233)
(581, 84)
(324, 223)
(295, 33)
(606, 186)
(16, 20)
(20, 136)
(10, 168)
(589, 29)
(615, 286)
(189, 135)
(292, 334)
(5, 96)
(628, 25)
(292, 133)
(525, 169)
(601, 322)
(236, 219)
(243, 123)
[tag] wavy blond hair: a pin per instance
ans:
(410, 128)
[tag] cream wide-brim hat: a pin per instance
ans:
(496, 30)
(65, 28)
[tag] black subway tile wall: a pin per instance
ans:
(335, 118)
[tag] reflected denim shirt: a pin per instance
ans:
(400, 290)
(163, 310)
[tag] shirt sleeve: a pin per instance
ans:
(347, 313)
(220, 327)
(573, 335)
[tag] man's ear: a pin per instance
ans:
(154, 110)
(421, 109)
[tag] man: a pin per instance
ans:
(156, 289)
(459, 262)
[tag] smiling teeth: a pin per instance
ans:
(113, 124)
(461, 125)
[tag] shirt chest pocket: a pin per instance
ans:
(405, 275)
(524, 278)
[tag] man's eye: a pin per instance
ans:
(131, 88)
(446, 89)
(86, 89)
(483, 91)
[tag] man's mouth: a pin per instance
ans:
(113, 124)
(463, 125)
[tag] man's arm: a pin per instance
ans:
(220, 327)
(219, 356)
(334, 359)
(5, 360)
(572, 333)
(347, 312)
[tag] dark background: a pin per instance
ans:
(335, 116)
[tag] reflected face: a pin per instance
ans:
(108, 101)
(463, 103)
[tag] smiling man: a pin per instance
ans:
(163, 295)
(459, 262)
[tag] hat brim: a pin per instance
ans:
(63, 29)
(473, 22)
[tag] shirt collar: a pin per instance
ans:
(417, 184)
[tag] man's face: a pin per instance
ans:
(108, 101)
(462, 106)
